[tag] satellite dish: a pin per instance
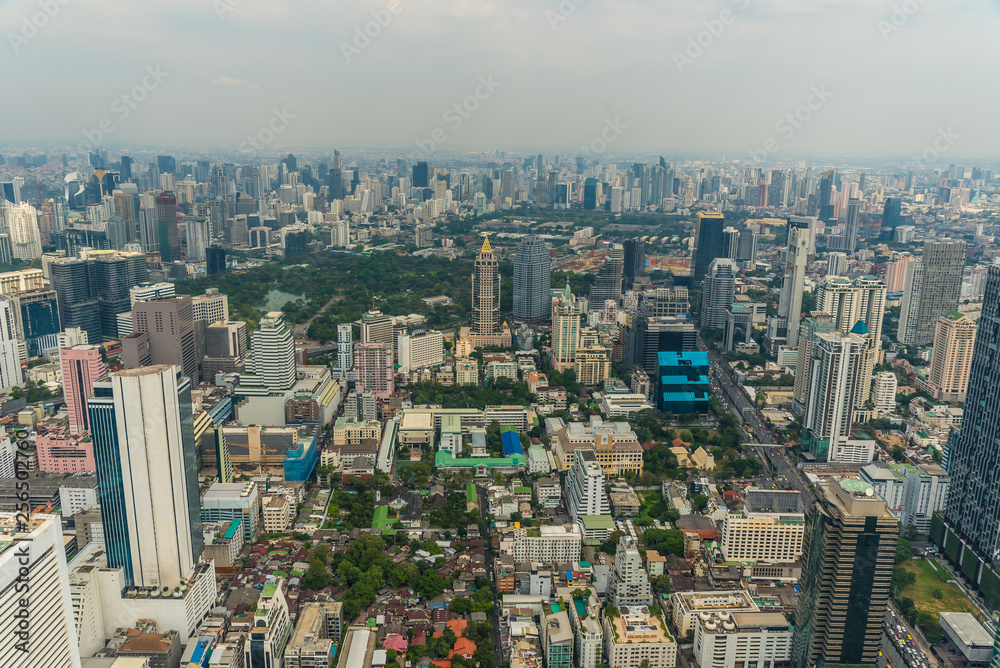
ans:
(869, 492)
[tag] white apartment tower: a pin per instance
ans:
(629, 584)
(884, 392)
(585, 486)
(10, 358)
(272, 358)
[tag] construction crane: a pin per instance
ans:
(263, 466)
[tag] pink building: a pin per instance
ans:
(59, 451)
(81, 366)
(373, 364)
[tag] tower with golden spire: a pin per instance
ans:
(486, 292)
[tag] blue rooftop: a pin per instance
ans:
(860, 328)
(511, 443)
(670, 358)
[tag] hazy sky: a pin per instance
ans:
(566, 72)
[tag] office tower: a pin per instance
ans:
(268, 637)
(837, 368)
(892, 218)
(147, 474)
(169, 324)
(951, 360)
(590, 194)
(747, 248)
(933, 287)
(718, 292)
(635, 260)
(826, 205)
(971, 511)
(532, 280)
(167, 164)
(421, 175)
(895, 273)
(836, 264)
(215, 260)
(682, 384)
(149, 291)
(646, 336)
(566, 314)
(848, 554)
(112, 277)
(37, 314)
(373, 368)
(272, 353)
(816, 323)
(884, 392)
(81, 366)
(800, 237)
(852, 225)
(10, 360)
(211, 306)
(35, 594)
(166, 226)
(629, 586)
(709, 244)
(585, 487)
(486, 292)
(345, 348)
(609, 278)
(376, 327)
(21, 223)
(225, 348)
(419, 350)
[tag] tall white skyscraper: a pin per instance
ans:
(34, 595)
(629, 581)
(800, 238)
(141, 423)
(10, 360)
(585, 486)
(837, 366)
(884, 392)
(21, 221)
(345, 348)
(272, 353)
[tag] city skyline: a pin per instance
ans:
(500, 85)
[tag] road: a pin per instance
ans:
(494, 615)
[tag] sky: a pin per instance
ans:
(783, 78)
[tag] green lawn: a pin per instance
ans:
(932, 577)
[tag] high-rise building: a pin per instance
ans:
(718, 292)
(852, 225)
(895, 273)
(892, 217)
(608, 284)
(951, 360)
(37, 313)
(148, 474)
(35, 594)
(21, 223)
(272, 354)
(566, 314)
(837, 368)
(420, 350)
(836, 264)
(486, 292)
(81, 366)
(166, 226)
(169, 324)
(373, 368)
(10, 359)
(933, 287)
(629, 584)
(972, 514)
(585, 487)
(848, 554)
(225, 348)
(884, 392)
(215, 260)
(345, 348)
(800, 238)
(826, 202)
(93, 292)
(376, 327)
(532, 280)
(647, 336)
(747, 249)
(635, 260)
(816, 323)
(709, 243)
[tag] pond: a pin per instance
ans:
(276, 300)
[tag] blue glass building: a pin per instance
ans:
(682, 382)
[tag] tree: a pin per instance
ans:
(700, 502)
(898, 454)
(663, 585)
(904, 552)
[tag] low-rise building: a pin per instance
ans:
(768, 537)
(687, 605)
(545, 544)
(635, 637)
(615, 444)
(278, 513)
(724, 640)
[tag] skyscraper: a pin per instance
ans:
(486, 292)
(951, 360)
(215, 260)
(21, 222)
(532, 280)
(166, 226)
(81, 366)
(272, 353)
(635, 260)
(709, 243)
(35, 594)
(147, 471)
(800, 236)
(10, 360)
(972, 511)
(629, 584)
(826, 202)
(816, 323)
(891, 218)
(852, 224)
(590, 194)
(565, 329)
(933, 287)
(373, 368)
(718, 292)
(169, 323)
(345, 348)
(848, 553)
(837, 368)
(609, 277)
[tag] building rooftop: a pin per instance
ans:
(968, 629)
